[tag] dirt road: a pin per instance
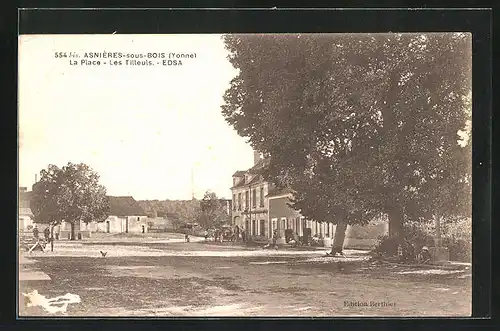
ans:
(198, 279)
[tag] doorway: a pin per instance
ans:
(143, 229)
(108, 227)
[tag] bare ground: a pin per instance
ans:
(196, 279)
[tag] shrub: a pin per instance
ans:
(416, 236)
(459, 249)
(456, 234)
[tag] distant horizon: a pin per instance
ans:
(143, 129)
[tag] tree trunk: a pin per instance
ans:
(72, 230)
(338, 239)
(396, 224)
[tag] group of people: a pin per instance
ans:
(39, 242)
(46, 233)
(226, 234)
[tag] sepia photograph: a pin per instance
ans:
(251, 175)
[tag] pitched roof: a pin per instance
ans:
(125, 206)
(259, 166)
(255, 180)
(239, 173)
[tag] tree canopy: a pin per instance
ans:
(213, 211)
(359, 124)
(71, 193)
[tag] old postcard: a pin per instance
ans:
(245, 175)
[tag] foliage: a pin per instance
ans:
(213, 211)
(71, 193)
(457, 236)
(459, 249)
(457, 228)
(415, 237)
(179, 211)
(369, 231)
(359, 125)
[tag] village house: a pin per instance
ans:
(259, 208)
(125, 216)
(283, 217)
(249, 203)
(25, 215)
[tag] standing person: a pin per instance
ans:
(243, 235)
(46, 234)
(275, 238)
(206, 235)
(236, 233)
(35, 232)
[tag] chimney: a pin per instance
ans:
(256, 157)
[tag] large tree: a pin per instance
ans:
(71, 194)
(358, 124)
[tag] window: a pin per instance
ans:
(328, 229)
(254, 198)
(247, 203)
(239, 201)
(254, 227)
(262, 227)
(262, 196)
(234, 201)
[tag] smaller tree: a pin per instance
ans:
(212, 212)
(71, 194)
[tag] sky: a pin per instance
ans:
(144, 129)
